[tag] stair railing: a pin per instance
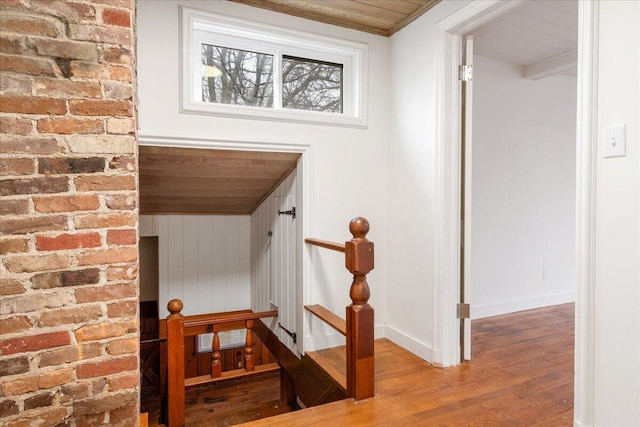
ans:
(177, 327)
(358, 327)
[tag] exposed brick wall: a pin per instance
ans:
(68, 234)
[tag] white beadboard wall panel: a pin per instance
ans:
(274, 259)
(204, 260)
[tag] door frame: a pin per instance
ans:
(304, 196)
(446, 339)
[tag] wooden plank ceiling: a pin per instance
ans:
(381, 17)
(206, 181)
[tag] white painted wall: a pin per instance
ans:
(617, 269)
(523, 204)
(204, 260)
(348, 167)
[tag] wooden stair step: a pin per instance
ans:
(229, 375)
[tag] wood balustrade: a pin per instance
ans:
(177, 327)
(358, 327)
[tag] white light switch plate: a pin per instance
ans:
(615, 141)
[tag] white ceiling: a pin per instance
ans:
(541, 36)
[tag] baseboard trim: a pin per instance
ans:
(421, 350)
(482, 311)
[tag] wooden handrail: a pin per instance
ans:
(176, 327)
(326, 244)
(359, 320)
(329, 317)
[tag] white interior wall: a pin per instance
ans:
(204, 260)
(523, 190)
(347, 166)
(617, 222)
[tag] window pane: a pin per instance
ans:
(311, 85)
(238, 77)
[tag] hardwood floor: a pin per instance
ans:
(521, 375)
(228, 403)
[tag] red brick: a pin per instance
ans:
(14, 246)
(118, 91)
(33, 225)
(117, 17)
(33, 302)
(70, 125)
(12, 187)
(70, 354)
(20, 386)
(16, 167)
(26, 24)
(67, 241)
(8, 408)
(73, 392)
(30, 105)
(116, 55)
(122, 74)
(80, 314)
(105, 221)
(38, 401)
(55, 378)
(14, 366)
(11, 287)
(67, 49)
(106, 293)
(11, 325)
(89, 70)
(122, 237)
(125, 163)
(122, 273)
(121, 201)
(35, 342)
(100, 108)
(117, 405)
(71, 165)
(66, 203)
(67, 10)
(66, 88)
(125, 346)
(29, 146)
(124, 382)
(122, 309)
(14, 207)
(107, 367)
(31, 263)
(29, 65)
(110, 35)
(51, 417)
(105, 182)
(109, 256)
(57, 279)
(11, 44)
(15, 126)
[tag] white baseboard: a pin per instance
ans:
(421, 350)
(577, 423)
(481, 311)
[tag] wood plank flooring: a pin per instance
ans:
(521, 375)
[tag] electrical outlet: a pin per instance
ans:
(615, 141)
(545, 273)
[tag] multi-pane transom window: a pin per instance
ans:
(236, 68)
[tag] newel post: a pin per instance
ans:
(175, 356)
(359, 319)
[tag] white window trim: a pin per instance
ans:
(199, 27)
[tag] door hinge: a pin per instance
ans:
(465, 73)
(291, 212)
(464, 311)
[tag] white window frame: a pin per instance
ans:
(199, 27)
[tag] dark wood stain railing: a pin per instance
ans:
(358, 326)
(177, 327)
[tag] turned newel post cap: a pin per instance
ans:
(359, 227)
(175, 306)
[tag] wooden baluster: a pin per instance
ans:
(248, 349)
(359, 319)
(216, 366)
(175, 359)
